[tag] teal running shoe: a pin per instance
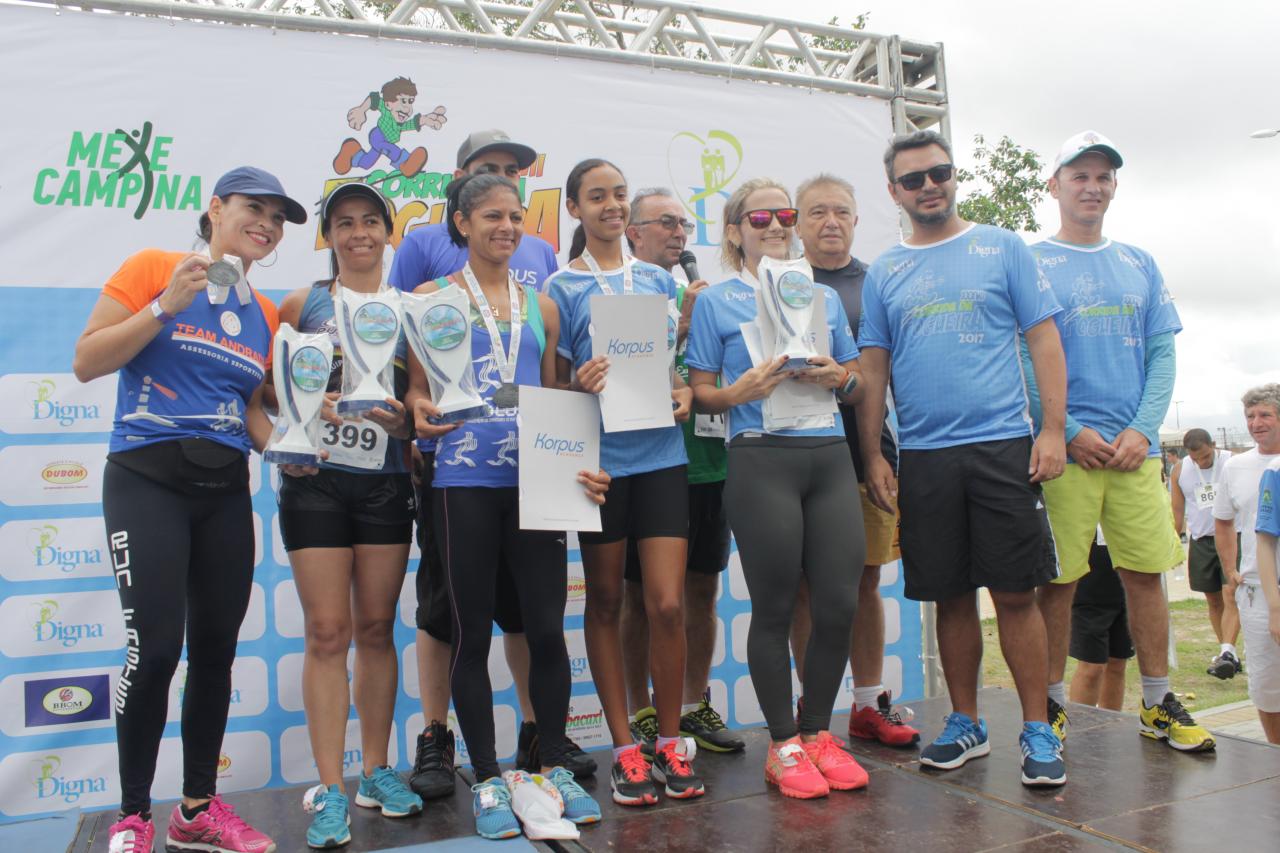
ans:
(492, 808)
(579, 807)
(387, 791)
(331, 826)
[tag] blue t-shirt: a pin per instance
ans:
(621, 453)
(317, 316)
(1268, 496)
(1113, 299)
(485, 451)
(949, 314)
(426, 253)
(716, 345)
(196, 376)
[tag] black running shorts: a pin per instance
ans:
(339, 509)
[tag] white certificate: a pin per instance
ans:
(631, 331)
(559, 436)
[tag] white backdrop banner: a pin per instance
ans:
(118, 127)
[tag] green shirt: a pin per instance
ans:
(391, 129)
(707, 456)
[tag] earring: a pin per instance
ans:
(274, 258)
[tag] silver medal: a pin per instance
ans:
(507, 396)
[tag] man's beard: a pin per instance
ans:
(933, 218)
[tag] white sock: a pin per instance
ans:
(1153, 689)
(689, 709)
(1229, 647)
(865, 697)
(1058, 692)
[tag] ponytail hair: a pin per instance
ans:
(572, 189)
(465, 193)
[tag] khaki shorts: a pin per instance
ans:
(882, 531)
(1133, 509)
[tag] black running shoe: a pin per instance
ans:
(644, 730)
(576, 760)
(529, 754)
(706, 727)
(1225, 666)
(432, 774)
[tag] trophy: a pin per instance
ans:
(787, 291)
(439, 330)
(368, 329)
(301, 374)
(223, 274)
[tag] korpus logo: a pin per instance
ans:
(701, 168)
(45, 405)
(558, 446)
(49, 629)
(52, 784)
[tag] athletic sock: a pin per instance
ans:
(190, 814)
(1153, 689)
(1058, 692)
(865, 697)
(1229, 647)
(690, 708)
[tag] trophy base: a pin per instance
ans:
(354, 408)
(797, 363)
(291, 457)
(480, 411)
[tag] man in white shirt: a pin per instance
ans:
(1235, 508)
(1194, 492)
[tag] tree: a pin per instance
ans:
(1008, 185)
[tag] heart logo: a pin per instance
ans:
(706, 166)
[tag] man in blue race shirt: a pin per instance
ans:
(1117, 332)
(942, 310)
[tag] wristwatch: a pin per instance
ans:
(159, 313)
(850, 382)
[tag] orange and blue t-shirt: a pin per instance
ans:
(195, 378)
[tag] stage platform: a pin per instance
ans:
(1123, 792)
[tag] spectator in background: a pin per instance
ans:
(1100, 639)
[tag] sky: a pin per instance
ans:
(1178, 87)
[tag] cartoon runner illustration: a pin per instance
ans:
(395, 116)
(506, 447)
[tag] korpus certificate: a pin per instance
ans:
(631, 331)
(559, 436)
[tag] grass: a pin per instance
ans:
(1195, 645)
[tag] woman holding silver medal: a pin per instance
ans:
(514, 332)
(791, 494)
(649, 497)
(347, 530)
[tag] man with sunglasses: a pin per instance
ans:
(658, 232)
(828, 215)
(942, 310)
(1117, 331)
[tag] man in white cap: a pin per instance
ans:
(1117, 332)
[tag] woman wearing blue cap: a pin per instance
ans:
(191, 342)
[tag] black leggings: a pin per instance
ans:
(182, 564)
(794, 508)
(474, 528)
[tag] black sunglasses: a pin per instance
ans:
(669, 222)
(915, 180)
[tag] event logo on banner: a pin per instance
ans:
(73, 699)
(118, 169)
(702, 169)
(53, 783)
(53, 549)
(55, 403)
(60, 624)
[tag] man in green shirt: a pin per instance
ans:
(657, 233)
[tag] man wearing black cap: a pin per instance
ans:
(427, 253)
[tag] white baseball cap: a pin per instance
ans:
(1083, 143)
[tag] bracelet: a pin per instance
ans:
(159, 313)
(850, 382)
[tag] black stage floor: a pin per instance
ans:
(1123, 792)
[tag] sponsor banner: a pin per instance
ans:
(248, 688)
(298, 766)
(48, 474)
(289, 679)
(52, 780)
(579, 667)
(42, 703)
(584, 723)
(54, 549)
(576, 596)
(62, 623)
(55, 402)
(244, 763)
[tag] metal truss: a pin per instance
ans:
(671, 35)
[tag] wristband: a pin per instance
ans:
(159, 313)
(850, 382)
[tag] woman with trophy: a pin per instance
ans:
(347, 528)
(191, 342)
(648, 500)
(783, 351)
(477, 337)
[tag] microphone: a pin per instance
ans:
(689, 263)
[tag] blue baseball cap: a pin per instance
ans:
(249, 180)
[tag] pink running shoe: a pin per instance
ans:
(838, 767)
(217, 829)
(131, 835)
(788, 766)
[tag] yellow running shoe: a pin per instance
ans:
(1170, 722)
(1058, 719)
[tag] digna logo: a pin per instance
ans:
(45, 406)
(49, 630)
(43, 541)
(50, 784)
(559, 446)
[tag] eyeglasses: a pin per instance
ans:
(915, 180)
(760, 219)
(669, 222)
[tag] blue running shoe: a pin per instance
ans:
(960, 740)
(492, 809)
(387, 791)
(331, 825)
(1042, 764)
(579, 807)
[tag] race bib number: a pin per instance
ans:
(1205, 494)
(356, 444)
(708, 426)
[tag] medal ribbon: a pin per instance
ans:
(506, 361)
(628, 285)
